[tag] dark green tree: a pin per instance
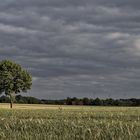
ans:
(13, 79)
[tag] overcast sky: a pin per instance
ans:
(82, 48)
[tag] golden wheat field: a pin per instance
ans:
(52, 122)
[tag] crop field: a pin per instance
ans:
(48, 122)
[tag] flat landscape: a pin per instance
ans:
(52, 122)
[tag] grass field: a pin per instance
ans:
(48, 122)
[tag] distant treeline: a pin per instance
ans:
(74, 101)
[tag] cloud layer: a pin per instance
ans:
(74, 48)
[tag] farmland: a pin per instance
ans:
(50, 122)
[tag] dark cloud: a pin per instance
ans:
(74, 48)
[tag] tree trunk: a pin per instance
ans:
(11, 101)
(11, 104)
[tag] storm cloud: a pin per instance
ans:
(82, 48)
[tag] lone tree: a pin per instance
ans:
(13, 79)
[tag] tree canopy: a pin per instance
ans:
(13, 78)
